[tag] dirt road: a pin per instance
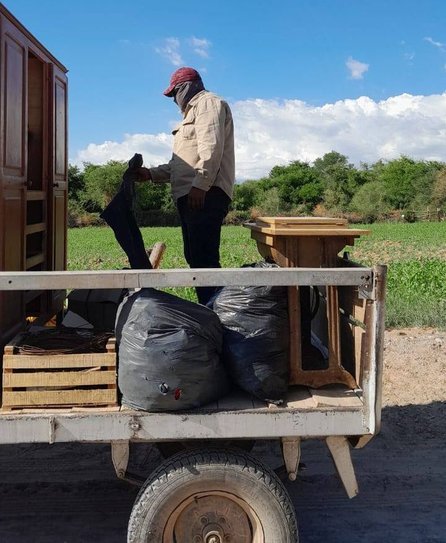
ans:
(68, 493)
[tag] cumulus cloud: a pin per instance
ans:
(156, 149)
(270, 132)
(171, 50)
(357, 69)
(200, 46)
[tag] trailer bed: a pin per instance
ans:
(307, 413)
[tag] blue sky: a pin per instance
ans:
(364, 77)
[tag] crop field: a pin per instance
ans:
(415, 254)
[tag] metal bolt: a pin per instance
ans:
(135, 426)
(204, 521)
(213, 537)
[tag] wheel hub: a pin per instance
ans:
(213, 519)
(214, 536)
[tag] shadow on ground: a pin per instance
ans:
(68, 493)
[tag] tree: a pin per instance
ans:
(369, 201)
(439, 189)
(405, 181)
(340, 180)
(290, 181)
(102, 182)
(76, 182)
(244, 195)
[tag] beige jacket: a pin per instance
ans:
(203, 149)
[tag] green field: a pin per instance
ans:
(415, 254)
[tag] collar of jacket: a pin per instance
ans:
(193, 101)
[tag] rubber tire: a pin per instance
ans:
(169, 448)
(233, 471)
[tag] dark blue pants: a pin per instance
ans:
(201, 234)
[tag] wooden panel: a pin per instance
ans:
(34, 260)
(60, 126)
(299, 221)
(34, 228)
(35, 195)
(59, 230)
(11, 259)
(336, 396)
(37, 124)
(58, 179)
(14, 114)
(295, 361)
(59, 379)
(62, 361)
(58, 397)
(300, 398)
(12, 223)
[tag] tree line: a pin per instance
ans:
(331, 186)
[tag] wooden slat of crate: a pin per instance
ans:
(55, 380)
(59, 361)
(45, 398)
(59, 379)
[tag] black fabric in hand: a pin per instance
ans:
(120, 217)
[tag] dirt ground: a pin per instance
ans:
(68, 493)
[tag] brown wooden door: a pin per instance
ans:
(13, 120)
(58, 177)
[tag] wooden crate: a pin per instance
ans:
(59, 380)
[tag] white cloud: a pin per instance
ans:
(272, 132)
(437, 44)
(357, 68)
(171, 51)
(200, 46)
(156, 149)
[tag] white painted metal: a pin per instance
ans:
(185, 278)
(94, 426)
(340, 451)
(373, 351)
(141, 426)
(120, 451)
(291, 455)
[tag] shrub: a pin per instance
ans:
(236, 217)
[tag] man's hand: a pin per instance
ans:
(144, 174)
(195, 198)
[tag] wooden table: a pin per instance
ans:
(309, 242)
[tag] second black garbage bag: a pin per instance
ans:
(256, 338)
(169, 352)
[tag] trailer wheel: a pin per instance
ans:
(169, 448)
(213, 497)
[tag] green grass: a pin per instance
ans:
(95, 248)
(415, 255)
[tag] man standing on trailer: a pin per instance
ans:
(201, 170)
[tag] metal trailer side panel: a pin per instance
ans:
(138, 426)
(123, 425)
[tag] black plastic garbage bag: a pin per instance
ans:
(256, 338)
(169, 352)
(119, 216)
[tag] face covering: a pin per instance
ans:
(185, 91)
